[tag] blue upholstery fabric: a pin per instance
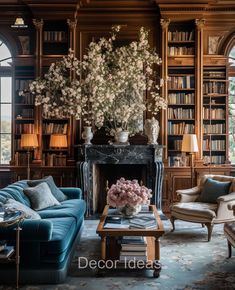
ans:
(213, 189)
(69, 208)
(72, 193)
(46, 243)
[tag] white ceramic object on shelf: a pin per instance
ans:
(87, 134)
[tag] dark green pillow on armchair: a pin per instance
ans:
(213, 189)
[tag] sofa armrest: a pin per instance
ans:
(188, 195)
(32, 230)
(72, 192)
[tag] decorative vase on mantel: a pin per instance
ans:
(87, 134)
(151, 129)
(121, 138)
(129, 211)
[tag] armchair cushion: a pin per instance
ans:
(213, 189)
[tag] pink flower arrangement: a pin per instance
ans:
(128, 193)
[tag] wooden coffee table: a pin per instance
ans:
(110, 250)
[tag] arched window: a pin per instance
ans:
(5, 103)
(232, 106)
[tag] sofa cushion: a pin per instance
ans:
(58, 194)
(64, 230)
(15, 191)
(213, 189)
(69, 208)
(29, 213)
(40, 196)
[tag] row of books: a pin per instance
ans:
(181, 98)
(180, 35)
(24, 128)
(181, 82)
(214, 74)
(180, 113)
(213, 144)
(22, 158)
(26, 99)
(180, 128)
(51, 159)
(214, 129)
(56, 36)
(53, 128)
(177, 144)
(218, 159)
(214, 88)
(180, 50)
(209, 113)
(22, 84)
(133, 247)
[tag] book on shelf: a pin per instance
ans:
(6, 252)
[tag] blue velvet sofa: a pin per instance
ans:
(47, 244)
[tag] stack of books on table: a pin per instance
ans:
(133, 248)
(143, 221)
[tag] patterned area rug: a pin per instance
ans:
(189, 262)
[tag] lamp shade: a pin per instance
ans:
(29, 140)
(59, 141)
(189, 143)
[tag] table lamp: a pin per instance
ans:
(190, 145)
(28, 141)
(58, 141)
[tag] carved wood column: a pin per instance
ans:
(72, 44)
(164, 90)
(38, 111)
(199, 87)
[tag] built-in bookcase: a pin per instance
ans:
(23, 111)
(215, 112)
(181, 86)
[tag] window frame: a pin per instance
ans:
(7, 71)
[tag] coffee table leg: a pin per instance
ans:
(103, 248)
(157, 265)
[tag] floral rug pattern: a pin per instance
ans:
(189, 262)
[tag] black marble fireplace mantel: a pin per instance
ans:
(91, 155)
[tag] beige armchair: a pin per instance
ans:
(190, 209)
(229, 231)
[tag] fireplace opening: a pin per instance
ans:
(107, 174)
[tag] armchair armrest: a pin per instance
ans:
(72, 192)
(188, 195)
(32, 230)
(227, 197)
(224, 202)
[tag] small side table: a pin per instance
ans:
(14, 217)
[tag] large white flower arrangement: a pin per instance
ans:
(59, 92)
(109, 88)
(117, 80)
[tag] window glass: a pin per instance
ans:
(5, 104)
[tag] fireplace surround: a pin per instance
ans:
(101, 165)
